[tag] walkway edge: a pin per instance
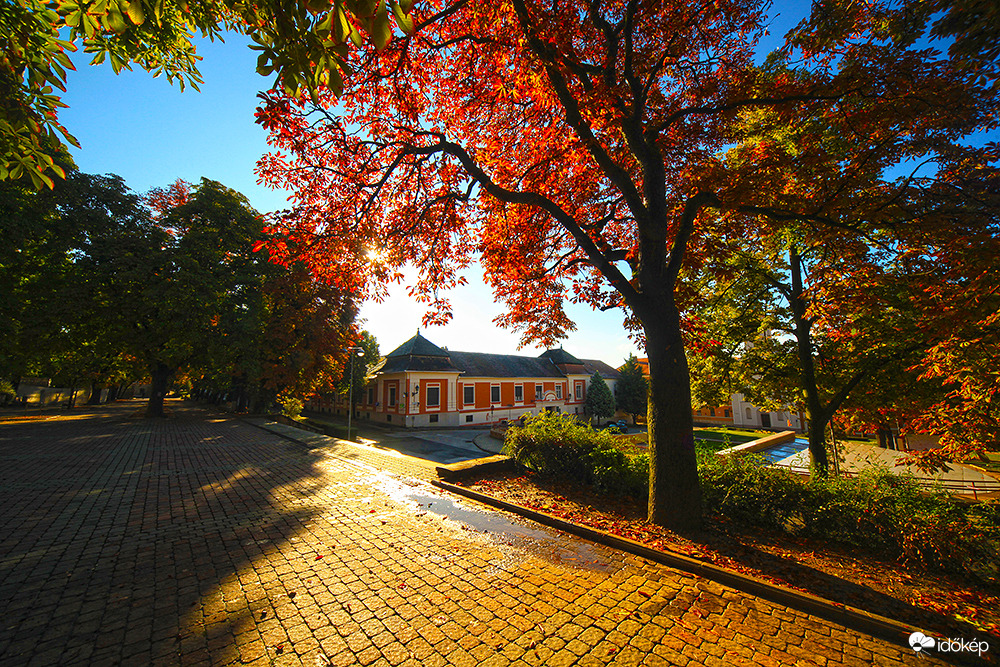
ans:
(851, 617)
(329, 439)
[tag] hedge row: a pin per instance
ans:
(880, 511)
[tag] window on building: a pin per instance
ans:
(538, 392)
(725, 413)
(433, 419)
(749, 414)
(518, 393)
(469, 394)
(371, 395)
(495, 394)
(433, 397)
(711, 412)
(468, 418)
(579, 391)
(558, 391)
(392, 397)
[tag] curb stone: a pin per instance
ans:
(487, 464)
(311, 439)
(851, 617)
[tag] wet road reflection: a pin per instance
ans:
(513, 538)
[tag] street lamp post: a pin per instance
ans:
(355, 351)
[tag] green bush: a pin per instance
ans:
(747, 490)
(612, 471)
(554, 443)
(291, 407)
(878, 510)
(557, 444)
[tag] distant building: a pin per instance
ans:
(749, 415)
(741, 413)
(422, 385)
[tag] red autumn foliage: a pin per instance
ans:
(572, 148)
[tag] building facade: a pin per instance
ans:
(742, 413)
(422, 385)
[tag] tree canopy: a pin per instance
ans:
(354, 377)
(304, 44)
(603, 153)
(102, 288)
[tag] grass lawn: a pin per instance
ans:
(736, 436)
(993, 463)
(709, 439)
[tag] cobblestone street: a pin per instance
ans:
(204, 540)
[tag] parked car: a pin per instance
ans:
(619, 426)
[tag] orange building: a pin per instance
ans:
(422, 385)
(704, 416)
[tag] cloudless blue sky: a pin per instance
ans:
(150, 133)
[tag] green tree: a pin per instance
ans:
(632, 388)
(307, 326)
(600, 403)
(305, 44)
(353, 379)
(54, 298)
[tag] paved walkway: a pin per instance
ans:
(204, 540)
(441, 446)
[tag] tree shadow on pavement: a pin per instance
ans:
(150, 540)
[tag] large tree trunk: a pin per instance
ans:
(674, 491)
(158, 390)
(95, 393)
(817, 416)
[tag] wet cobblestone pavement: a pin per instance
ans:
(204, 540)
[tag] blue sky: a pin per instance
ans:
(150, 133)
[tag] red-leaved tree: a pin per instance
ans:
(574, 147)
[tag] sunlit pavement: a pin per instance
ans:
(202, 539)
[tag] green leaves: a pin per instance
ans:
(600, 402)
(304, 45)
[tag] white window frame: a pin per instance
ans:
(578, 390)
(427, 399)
(465, 397)
(539, 392)
(559, 391)
(495, 387)
(519, 389)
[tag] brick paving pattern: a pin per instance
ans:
(204, 540)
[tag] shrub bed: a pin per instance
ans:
(880, 511)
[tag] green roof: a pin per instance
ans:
(559, 357)
(417, 346)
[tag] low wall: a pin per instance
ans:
(43, 396)
(760, 443)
